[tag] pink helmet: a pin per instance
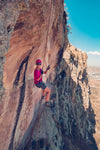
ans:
(38, 62)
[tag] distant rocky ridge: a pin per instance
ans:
(94, 72)
(37, 29)
(94, 82)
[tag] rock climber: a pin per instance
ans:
(38, 72)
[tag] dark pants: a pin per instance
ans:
(41, 85)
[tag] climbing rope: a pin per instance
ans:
(45, 120)
(47, 32)
(56, 87)
(44, 59)
(38, 119)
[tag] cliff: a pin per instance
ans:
(37, 29)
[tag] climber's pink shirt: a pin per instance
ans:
(37, 74)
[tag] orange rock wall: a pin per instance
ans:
(38, 33)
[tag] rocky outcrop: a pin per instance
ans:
(39, 31)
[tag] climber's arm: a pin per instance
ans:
(44, 72)
(46, 69)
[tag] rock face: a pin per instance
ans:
(38, 30)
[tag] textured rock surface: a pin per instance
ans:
(38, 30)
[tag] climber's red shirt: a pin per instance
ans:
(37, 74)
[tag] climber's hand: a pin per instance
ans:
(48, 67)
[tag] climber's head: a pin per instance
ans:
(38, 63)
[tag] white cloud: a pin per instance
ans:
(94, 53)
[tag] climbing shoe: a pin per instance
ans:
(42, 97)
(49, 104)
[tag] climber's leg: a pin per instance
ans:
(47, 91)
(43, 92)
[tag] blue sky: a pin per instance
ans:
(84, 18)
